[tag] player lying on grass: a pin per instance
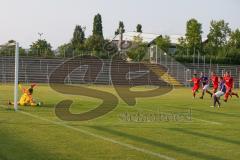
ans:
(26, 98)
(196, 84)
(214, 79)
(205, 85)
(218, 94)
(229, 86)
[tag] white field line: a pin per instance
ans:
(210, 122)
(169, 92)
(202, 120)
(159, 155)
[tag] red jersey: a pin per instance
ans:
(228, 81)
(214, 80)
(196, 81)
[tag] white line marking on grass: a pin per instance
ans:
(202, 120)
(159, 155)
(210, 122)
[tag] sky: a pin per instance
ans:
(21, 20)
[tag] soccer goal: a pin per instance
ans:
(16, 76)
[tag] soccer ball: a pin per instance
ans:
(39, 103)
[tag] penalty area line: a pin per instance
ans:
(206, 121)
(198, 119)
(159, 155)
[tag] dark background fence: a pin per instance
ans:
(39, 70)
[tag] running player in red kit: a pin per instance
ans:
(215, 82)
(229, 86)
(196, 84)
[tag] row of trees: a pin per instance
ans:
(121, 26)
(222, 43)
(39, 48)
(79, 44)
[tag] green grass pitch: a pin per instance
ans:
(36, 133)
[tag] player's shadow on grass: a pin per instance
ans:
(171, 147)
(26, 108)
(47, 106)
(203, 135)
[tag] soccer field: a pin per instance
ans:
(36, 133)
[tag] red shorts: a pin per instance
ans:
(229, 90)
(215, 86)
(195, 88)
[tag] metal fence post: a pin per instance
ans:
(156, 54)
(129, 75)
(25, 69)
(40, 65)
(205, 65)
(47, 74)
(236, 74)
(177, 71)
(160, 57)
(239, 79)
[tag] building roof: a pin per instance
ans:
(129, 36)
(149, 37)
(174, 38)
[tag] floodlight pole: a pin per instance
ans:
(16, 77)
(120, 39)
(40, 35)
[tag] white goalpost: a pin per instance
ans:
(16, 76)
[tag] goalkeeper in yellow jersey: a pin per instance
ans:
(26, 98)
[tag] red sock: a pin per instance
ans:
(226, 96)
